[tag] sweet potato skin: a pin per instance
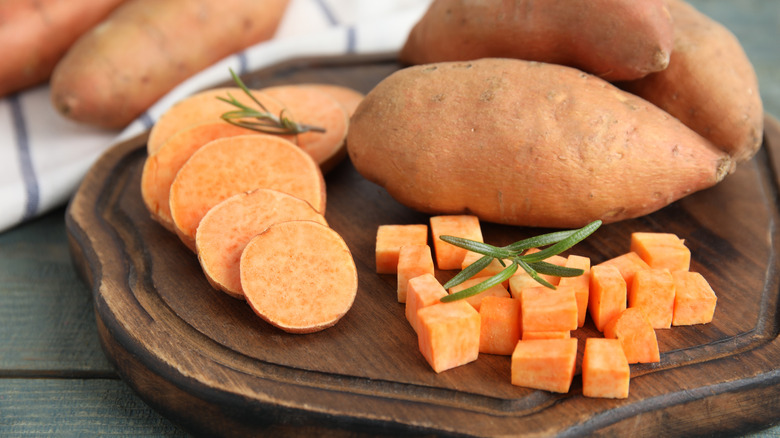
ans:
(613, 39)
(145, 47)
(710, 84)
(500, 138)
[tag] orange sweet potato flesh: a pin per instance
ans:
(227, 227)
(448, 335)
(499, 325)
(605, 369)
(546, 364)
(608, 295)
(203, 107)
(637, 337)
(730, 114)
(312, 106)
(450, 138)
(299, 276)
(37, 33)
(161, 168)
(449, 256)
(232, 165)
(349, 98)
(613, 39)
(145, 48)
(390, 239)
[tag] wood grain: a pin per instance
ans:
(206, 361)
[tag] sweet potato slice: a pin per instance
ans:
(349, 98)
(161, 168)
(311, 106)
(203, 107)
(228, 166)
(227, 227)
(299, 276)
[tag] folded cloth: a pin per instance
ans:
(44, 157)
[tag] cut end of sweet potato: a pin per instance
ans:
(299, 276)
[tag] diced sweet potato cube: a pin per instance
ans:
(607, 294)
(628, 264)
(500, 325)
(662, 250)
(545, 309)
(448, 335)
(555, 260)
(605, 369)
(559, 334)
(449, 256)
(694, 299)
(390, 239)
(492, 269)
(413, 261)
(580, 285)
(546, 364)
(636, 335)
(653, 291)
(475, 300)
(422, 291)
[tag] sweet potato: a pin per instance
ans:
(421, 291)
(694, 299)
(232, 165)
(628, 264)
(608, 295)
(476, 300)
(37, 33)
(605, 369)
(579, 284)
(144, 48)
(312, 106)
(500, 138)
(546, 364)
(449, 256)
(299, 276)
(161, 168)
(545, 309)
(499, 325)
(390, 239)
(227, 227)
(637, 337)
(203, 107)
(613, 39)
(448, 335)
(349, 98)
(653, 291)
(710, 84)
(661, 250)
(548, 334)
(413, 261)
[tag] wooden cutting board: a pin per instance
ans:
(207, 362)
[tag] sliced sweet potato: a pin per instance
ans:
(299, 276)
(349, 98)
(227, 227)
(228, 166)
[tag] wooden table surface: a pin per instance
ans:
(54, 377)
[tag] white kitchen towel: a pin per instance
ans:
(43, 156)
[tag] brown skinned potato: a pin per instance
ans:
(613, 39)
(525, 143)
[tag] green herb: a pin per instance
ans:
(516, 256)
(261, 119)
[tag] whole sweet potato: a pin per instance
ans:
(710, 84)
(613, 39)
(144, 48)
(525, 143)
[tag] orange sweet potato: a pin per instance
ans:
(544, 309)
(227, 227)
(580, 284)
(390, 239)
(499, 325)
(637, 337)
(628, 264)
(653, 291)
(476, 300)
(349, 98)
(610, 38)
(161, 168)
(203, 107)
(421, 291)
(144, 48)
(37, 33)
(661, 250)
(448, 335)
(449, 138)
(605, 369)
(299, 276)
(549, 334)
(449, 256)
(730, 114)
(546, 364)
(413, 261)
(232, 165)
(608, 294)
(694, 299)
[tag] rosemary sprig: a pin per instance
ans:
(515, 255)
(261, 119)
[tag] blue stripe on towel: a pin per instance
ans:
(351, 39)
(32, 190)
(331, 17)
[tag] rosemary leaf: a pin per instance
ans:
(482, 286)
(558, 271)
(478, 247)
(470, 271)
(564, 244)
(539, 241)
(530, 270)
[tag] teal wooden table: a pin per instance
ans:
(54, 377)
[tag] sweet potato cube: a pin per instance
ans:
(661, 250)
(545, 309)
(636, 335)
(694, 299)
(448, 334)
(607, 294)
(449, 256)
(555, 260)
(475, 300)
(546, 364)
(492, 269)
(559, 334)
(390, 239)
(580, 285)
(413, 261)
(500, 325)
(653, 291)
(628, 264)
(422, 291)
(605, 369)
